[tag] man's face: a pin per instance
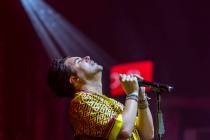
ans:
(83, 66)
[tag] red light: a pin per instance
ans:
(143, 68)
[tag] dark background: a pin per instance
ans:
(174, 34)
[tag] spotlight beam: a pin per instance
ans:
(41, 31)
(51, 26)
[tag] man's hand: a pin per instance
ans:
(129, 83)
(142, 89)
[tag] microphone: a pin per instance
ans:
(155, 86)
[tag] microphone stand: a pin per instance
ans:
(158, 89)
(159, 121)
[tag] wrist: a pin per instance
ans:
(143, 96)
(143, 101)
(133, 96)
(134, 93)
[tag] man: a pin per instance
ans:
(93, 115)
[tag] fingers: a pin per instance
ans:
(138, 76)
(127, 78)
(129, 83)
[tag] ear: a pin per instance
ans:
(73, 79)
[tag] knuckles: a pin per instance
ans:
(127, 78)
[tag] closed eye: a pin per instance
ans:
(77, 60)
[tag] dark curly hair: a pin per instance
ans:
(58, 78)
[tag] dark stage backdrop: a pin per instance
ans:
(174, 34)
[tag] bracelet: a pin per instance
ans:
(133, 96)
(143, 103)
(145, 97)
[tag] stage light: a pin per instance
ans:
(41, 31)
(70, 41)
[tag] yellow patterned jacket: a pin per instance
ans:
(94, 116)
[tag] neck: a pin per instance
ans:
(95, 84)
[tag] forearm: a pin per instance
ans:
(131, 88)
(129, 118)
(145, 124)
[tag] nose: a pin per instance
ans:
(87, 58)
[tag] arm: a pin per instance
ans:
(129, 118)
(145, 121)
(130, 86)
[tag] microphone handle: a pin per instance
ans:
(154, 85)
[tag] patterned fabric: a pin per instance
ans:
(93, 116)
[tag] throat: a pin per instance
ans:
(95, 87)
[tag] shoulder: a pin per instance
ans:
(81, 98)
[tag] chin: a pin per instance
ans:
(100, 68)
